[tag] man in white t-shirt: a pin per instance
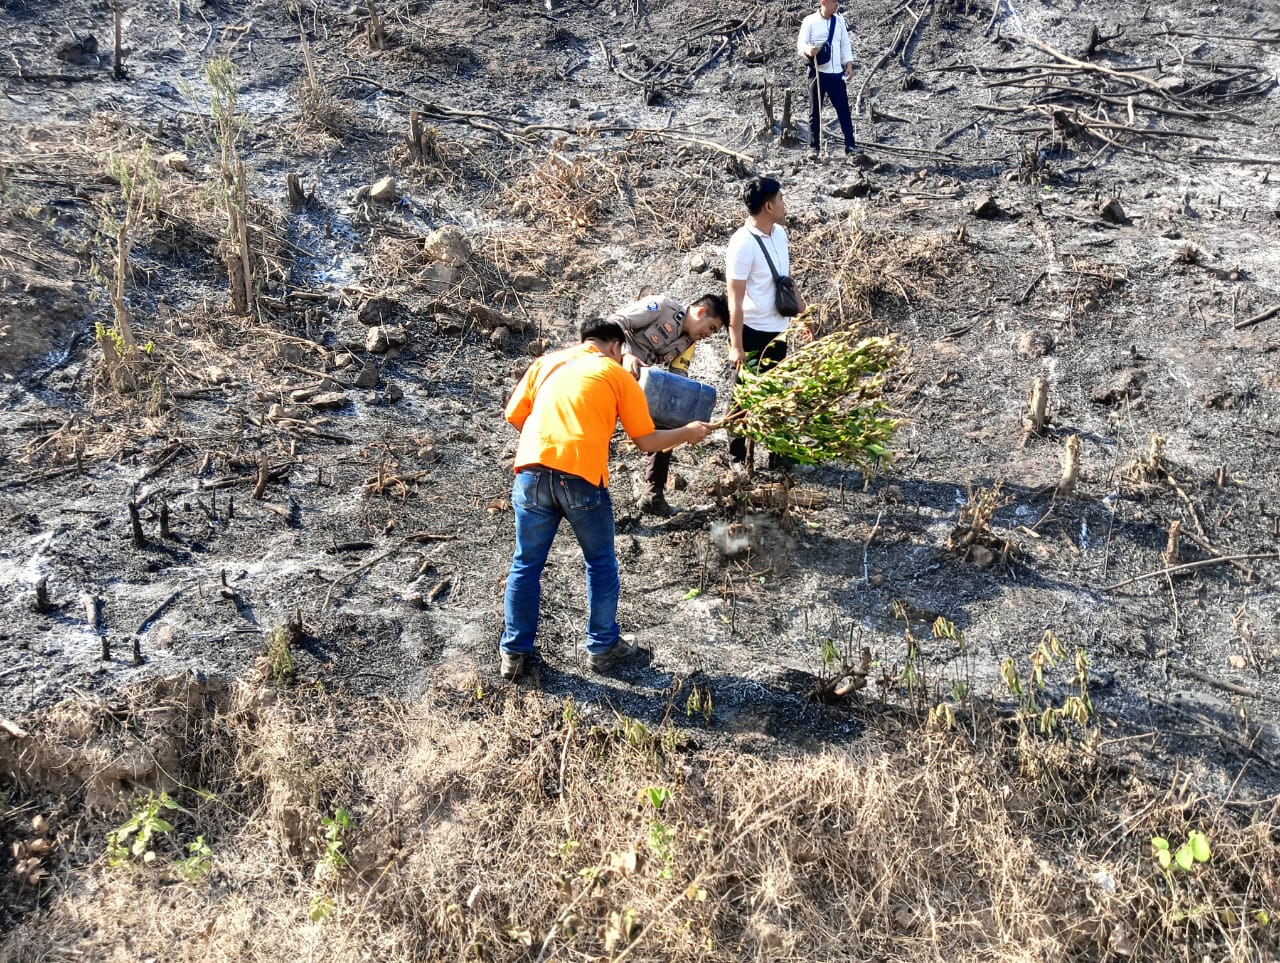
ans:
(824, 43)
(754, 321)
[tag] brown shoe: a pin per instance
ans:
(657, 504)
(513, 665)
(610, 659)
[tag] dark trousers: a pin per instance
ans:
(656, 471)
(833, 88)
(763, 350)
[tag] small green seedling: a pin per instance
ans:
(199, 860)
(134, 839)
(1195, 850)
(335, 830)
(661, 836)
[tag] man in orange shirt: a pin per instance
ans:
(566, 407)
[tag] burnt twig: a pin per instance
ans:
(1186, 566)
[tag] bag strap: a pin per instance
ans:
(831, 30)
(765, 251)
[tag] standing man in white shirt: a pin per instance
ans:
(754, 321)
(824, 43)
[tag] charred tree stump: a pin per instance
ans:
(264, 475)
(417, 150)
(1037, 415)
(93, 616)
(42, 605)
(1171, 546)
(135, 525)
(376, 31)
(117, 20)
(788, 135)
(1070, 466)
(136, 654)
(1098, 39)
(1094, 39)
(293, 185)
(295, 628)
(164, 520)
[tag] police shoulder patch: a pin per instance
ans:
(652, 306)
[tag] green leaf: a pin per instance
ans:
(658, 796)
(1159, 842)
(1184, 858)
(693, 593)
(1199, 846)
(1164, 858)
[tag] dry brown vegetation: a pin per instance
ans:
(860, 258)
(507, 825)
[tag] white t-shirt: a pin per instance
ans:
(813, 32)
(744, 261)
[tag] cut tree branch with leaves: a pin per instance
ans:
(824, 402)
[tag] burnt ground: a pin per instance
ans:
(587, 155)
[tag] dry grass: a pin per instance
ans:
(570, 194)
(503, 826)
(647, 186)
(850, 264)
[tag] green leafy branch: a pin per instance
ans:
(824, 402)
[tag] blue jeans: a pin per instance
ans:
(541, 497)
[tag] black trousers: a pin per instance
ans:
(656, 471)
(763, 350)
(831, 86)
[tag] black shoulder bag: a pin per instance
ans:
(785, 298)
(823, 55)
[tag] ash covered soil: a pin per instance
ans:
(1079, 193)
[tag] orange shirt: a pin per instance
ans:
(567, 406)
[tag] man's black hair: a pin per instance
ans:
(759, 193)
(602, 329)
(717, 304)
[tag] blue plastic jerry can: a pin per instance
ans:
(675, 400)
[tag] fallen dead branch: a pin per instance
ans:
(1258, 318)
(889, 52)
(411, 539)
(1187, 566)
(1233, 687)
(513, 130)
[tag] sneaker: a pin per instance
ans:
(851, 150)
(813, 156)
(622, 650)
(513, 664)
(657, 504)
